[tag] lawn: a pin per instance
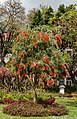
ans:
(70, 103)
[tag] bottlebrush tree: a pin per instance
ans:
(36, 56)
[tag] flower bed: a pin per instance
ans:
(28, 108)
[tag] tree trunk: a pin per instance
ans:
(34, 90)
(1, 50)
(35, 95)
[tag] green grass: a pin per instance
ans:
(71, 105)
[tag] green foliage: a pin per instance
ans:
(40, 16)
(37, 55)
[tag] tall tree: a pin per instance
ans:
(12, 15)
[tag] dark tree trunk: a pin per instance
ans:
(1, 50)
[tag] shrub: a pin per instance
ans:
(28, 108)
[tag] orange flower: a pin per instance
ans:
(42, 86)
(53, 67)
(53, 74)
(34, 44)
(44, 75)
(62, 66)
(67, 73)
(54, 54)
(20, 52)
(45, 37)
(59, 40)
(25, 34)
(45, 59)
(50, 82)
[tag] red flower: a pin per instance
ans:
(26, 34)
(20, 68)
(39, 35)
(46, 67)
(34, 65)
(53, 74)
(59, 40)
(34, 44)
(42, 86)
(50, 82)
(53, 67)
(20, 52)
(67, 73)
(45, 37)
(44, 75)
(22, 57)
(54, 54)
(45, 59)
(62, 66)
(24, 66)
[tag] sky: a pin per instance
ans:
(29, 4)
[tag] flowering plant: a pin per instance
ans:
(5, 72)
(36, 55)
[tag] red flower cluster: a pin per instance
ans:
(50, 82)
(45, 59)
(44, 36)
(5, 72)
(24, 33)
(59, 40)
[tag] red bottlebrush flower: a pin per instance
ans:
(67, 73)
(53, 74)
(42, 86)
(21, 32)
(45, 59)
(50, 82)
(46, 67)
(20, 68)
(34, 65)
(59, 40)
(25, 34)
(53, 67)
(58, 36)
(20, 52)
(45, 37)
(44, 75)
(35, 44)
(22, 57)
(39, 35)
(24, 66)
(54, 54)
(62, 66)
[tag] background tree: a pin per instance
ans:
(61, 10)
(12, 15)
(65, 24)
(40, 16)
